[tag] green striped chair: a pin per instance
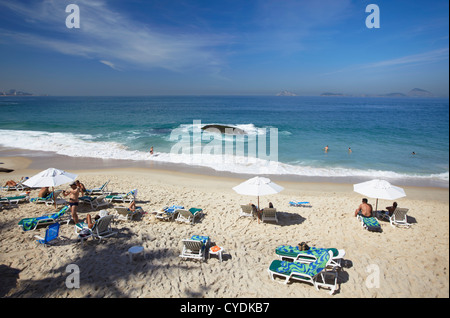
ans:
(30, 224)
(308, 273)
(370, 223)
(293, 254)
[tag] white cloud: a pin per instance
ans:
(111, 37)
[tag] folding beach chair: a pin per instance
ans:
(195, 247)
(269, 214)
(51, 234)
(187, 216)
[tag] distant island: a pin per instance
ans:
(13, 92)
(415, 92)
(286, 93)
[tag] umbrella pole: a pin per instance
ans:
(54, 200)
(257, 211)
(376, 208)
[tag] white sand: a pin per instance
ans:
(407, 262)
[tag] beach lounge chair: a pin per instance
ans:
(18, 187)
(100, 190)
(50, 199)
(188, 216)
(122, 197)
(370, 223)
(293, 254)
(14, 200)
(124, 213)
(309, 273)
(51, 234)
(168, 213)
(299, 203)
(101, 229)
(195, 247)
(29, 224)
(95, 202)
(269, 214)
(247, 211)
(398, 218)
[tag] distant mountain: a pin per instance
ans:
(286, 93)
(418, 92)
(331, 94)
(13, 92)
(394, 95)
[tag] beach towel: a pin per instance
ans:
(371, 224)
(293, 251)
(310, 269)
(31, 223)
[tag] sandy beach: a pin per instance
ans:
(411, 263)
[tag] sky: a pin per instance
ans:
(224, 47)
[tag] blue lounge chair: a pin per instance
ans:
(299, 203)
(293, 254)
(30, 224)
(51, 233)
(309, 273)
(195, 247)
(168, 213)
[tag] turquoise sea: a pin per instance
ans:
(383, 133)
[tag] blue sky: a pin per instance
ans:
(132, 47)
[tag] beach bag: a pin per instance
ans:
(303, 246)
(84, 233)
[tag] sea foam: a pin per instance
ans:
(84, 145)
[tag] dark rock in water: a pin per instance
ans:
(6, 170)
(221, 128)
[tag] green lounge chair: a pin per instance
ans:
(293, 254)
(122, 197)
(98, 191)
(30, 224)
(14, 200)
(309, 273)
(187, 216)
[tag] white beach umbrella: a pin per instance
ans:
(50, 178)
(258, 186)
(379, 189)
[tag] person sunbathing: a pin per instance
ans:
(10, 183)
(44, 192)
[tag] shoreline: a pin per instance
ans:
(40, 160)
(26, 166)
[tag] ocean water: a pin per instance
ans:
(381, 132)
